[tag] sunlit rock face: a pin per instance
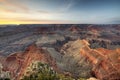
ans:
(101, 63)
(92, 78)
(73, 61)
(106, 63)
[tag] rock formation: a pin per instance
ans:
(18, 62)
(106, 63)
(73, 58)
(74, 29)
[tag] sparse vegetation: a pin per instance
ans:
(4, 75)
(41, 71)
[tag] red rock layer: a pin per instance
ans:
(74, 28)
(106, 63)
(18, 62)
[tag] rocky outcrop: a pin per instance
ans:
(106, 63)
(102, 43)
(73, 62)
(92, 78)
(74, 29)
(18, 62)
(101, 63)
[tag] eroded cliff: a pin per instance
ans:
(18, 62)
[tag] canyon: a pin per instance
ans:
(76, 50)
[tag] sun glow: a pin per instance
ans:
(10, 22)
(2, 22)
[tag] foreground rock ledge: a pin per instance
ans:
(17, 63)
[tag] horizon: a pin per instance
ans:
(15, 12)
(52, 24)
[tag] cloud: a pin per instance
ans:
(67, 5)
(14, 5)
(115, 20)
(6, 10)
(43, 12)
(29, 19)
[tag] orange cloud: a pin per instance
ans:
(14, 5)
(2, 9)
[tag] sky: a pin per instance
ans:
(59, 11)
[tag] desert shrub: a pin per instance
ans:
(41, 71)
